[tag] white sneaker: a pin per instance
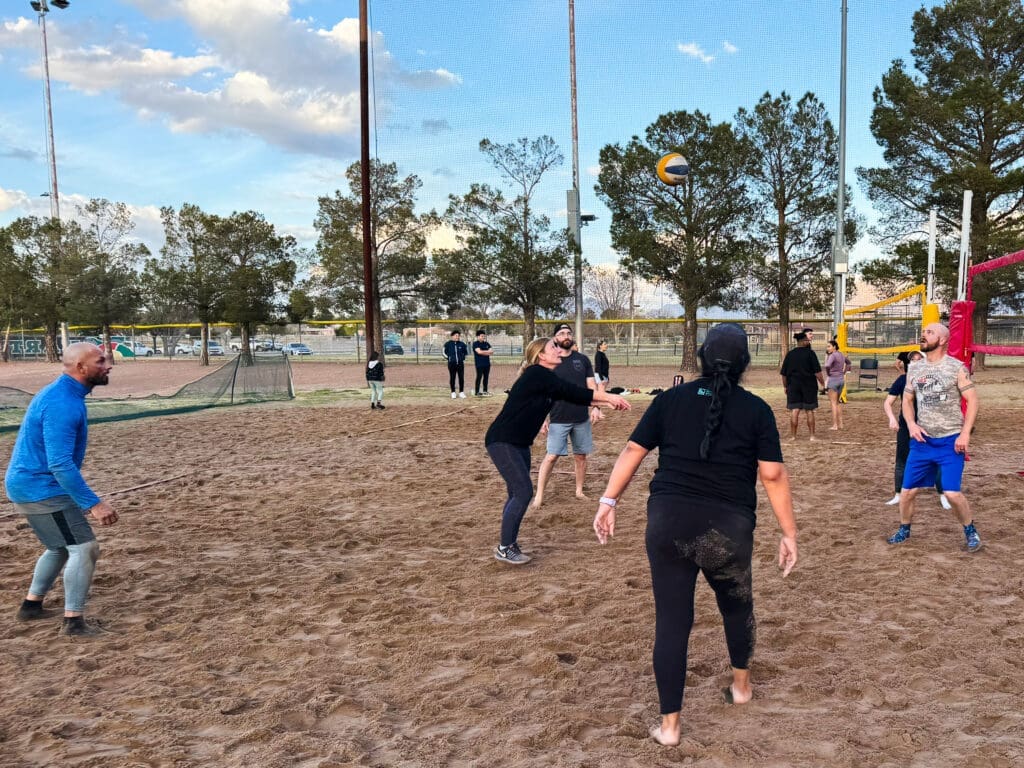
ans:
(944, 501)
(454, 395)
(461, 395)
(893, 501)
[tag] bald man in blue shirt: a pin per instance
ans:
(45, 483)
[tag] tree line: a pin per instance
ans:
(750, 227)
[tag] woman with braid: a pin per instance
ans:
(714, 439)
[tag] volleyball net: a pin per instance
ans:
(961, 316)
(262, 378)
(889, 326)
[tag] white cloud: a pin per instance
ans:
(13, 198)
(729, 47)
(695, 51)
(593, 170)
(246, 79)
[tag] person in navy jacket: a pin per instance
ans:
(455, 352)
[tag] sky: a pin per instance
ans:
(239, 105)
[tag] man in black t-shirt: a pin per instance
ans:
(482, 360)
(801, 378)
(568, 421)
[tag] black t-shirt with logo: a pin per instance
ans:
(575, 369)
(674, 424)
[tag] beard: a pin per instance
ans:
(565, 344)
(926, 347)
(99, 379)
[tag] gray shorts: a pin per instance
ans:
(57, 522)
(581, 434)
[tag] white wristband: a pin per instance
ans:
(609, 502)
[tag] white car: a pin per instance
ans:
(141, 350)
(183, 348)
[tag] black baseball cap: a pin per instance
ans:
(726, 342)
(561, 327)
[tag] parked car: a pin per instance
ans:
(141, 350)
(295, 348)
(393, 347)
(267, 345)
(183, 348)
(213, 347)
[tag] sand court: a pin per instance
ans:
(314, 586)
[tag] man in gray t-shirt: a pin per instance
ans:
(940, 431)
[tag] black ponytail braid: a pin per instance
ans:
(721, 385)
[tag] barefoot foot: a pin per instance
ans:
(665, 737)
(580, 495)
(734, 695)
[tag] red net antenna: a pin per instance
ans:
(965, 341)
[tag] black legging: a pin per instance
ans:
(684, 539)
(482, 375)
(457, 369)
(902, 453)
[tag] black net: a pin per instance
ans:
(258, 379)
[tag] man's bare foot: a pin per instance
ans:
(665, 737)
(581, 496)
(792, 439)
(833, 428)
(536, 503)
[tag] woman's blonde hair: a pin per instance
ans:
(532, 353)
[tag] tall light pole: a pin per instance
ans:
(840, 257)
(573, 207)
(42, 7)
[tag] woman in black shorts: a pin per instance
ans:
(714, 439)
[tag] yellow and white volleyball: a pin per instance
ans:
(673, 169)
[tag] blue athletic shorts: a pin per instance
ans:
(933, 454)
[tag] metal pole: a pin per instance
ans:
(965, 245)
(929, 290)
(839, 257)
(369, 279)
(54, 197)
(574, 226)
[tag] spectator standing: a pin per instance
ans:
(375, 378)
(800, 369)
(455, 353)
(836, 367)
(482, 360)
(601, 366)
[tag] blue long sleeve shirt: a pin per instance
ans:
(48, 454)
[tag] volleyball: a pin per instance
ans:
(673, 169)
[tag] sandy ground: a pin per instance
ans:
(313, 585)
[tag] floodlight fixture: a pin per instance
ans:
(62, 4)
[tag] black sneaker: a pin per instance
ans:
(373, 406)
(511, 554)
(380, 406)
(77, 626)
(33, 613)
